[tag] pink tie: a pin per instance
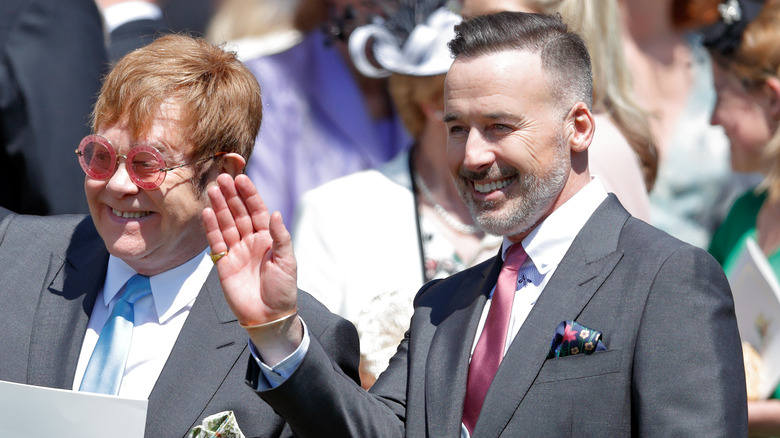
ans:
(490, 347)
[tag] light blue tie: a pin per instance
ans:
(107, 365)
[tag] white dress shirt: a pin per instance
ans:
(159, 318)
(545, 245)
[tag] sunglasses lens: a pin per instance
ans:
(98, 160)
(146, 167)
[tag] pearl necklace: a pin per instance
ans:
(453, 223)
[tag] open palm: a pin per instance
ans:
(258, 275)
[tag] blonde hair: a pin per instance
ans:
(756, 60)
(219, 97)
(598, 23)
(236, 19)
(409, 92)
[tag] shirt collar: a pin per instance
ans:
(548, 242)
(171, 290)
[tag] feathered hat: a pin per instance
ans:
(411, 38)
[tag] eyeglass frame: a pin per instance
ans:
(162, 172)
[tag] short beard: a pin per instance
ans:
(525, 210)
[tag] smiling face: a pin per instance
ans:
(506, 145)
(151, 230)
(746, 120)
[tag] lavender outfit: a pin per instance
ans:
(316, 126)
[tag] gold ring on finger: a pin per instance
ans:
(215, 257)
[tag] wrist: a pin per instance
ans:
(275, 340)
(270, 325)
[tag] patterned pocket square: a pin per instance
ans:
(222, 425)
(574, 338)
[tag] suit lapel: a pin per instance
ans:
(448, 358)
(589, 261)
(61, 318)
(208, 346)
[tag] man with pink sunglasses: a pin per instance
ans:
(127, 301)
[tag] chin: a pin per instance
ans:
(126, 248)
(502, 223)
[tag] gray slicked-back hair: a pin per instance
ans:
(563, 53)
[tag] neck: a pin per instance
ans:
(577, 181)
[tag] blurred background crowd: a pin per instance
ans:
(353, 142)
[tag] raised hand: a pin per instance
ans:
(258, 274)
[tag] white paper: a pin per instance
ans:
(757, 304)
(35, 411)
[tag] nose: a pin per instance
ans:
(120, 182)
(478, 154)
(715, 117)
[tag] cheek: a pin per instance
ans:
(455, 155)
(182, 210)
(748, 130)
(720, 115)
(92, 188)
(527, 157)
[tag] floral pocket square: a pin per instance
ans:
(222, 425)
(573, 338)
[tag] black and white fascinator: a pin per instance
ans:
(725, 36)
(411, 39)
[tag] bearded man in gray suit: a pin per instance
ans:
(170, 117)
(612, 328)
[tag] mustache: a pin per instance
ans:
(490, 173)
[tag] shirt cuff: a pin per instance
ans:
(125, 12)
(276, 375)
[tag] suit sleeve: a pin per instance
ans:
(134, 35)
(688, 375)
(320, 399)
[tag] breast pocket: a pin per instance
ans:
(580, 366)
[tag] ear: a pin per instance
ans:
(773, 87)
(232, 164)
(580, 123)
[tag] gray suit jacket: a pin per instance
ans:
(673, 365)
(52, 269)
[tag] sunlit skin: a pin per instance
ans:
(745, 116)
(505, 128)
(169, 231)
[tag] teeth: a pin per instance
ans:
(487, 188)
(130, 214)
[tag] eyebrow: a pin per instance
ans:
(492, 116)
(502, 115)
(157, 144)
(160, 147)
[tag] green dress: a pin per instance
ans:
(729, 239)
